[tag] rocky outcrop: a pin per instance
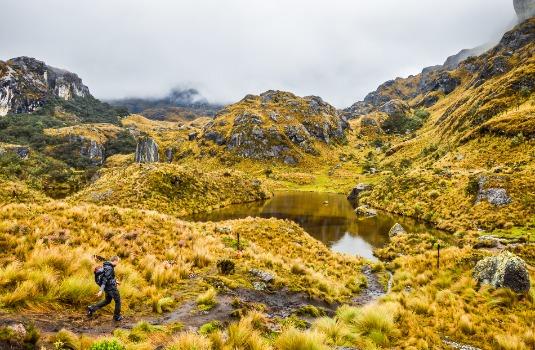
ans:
(453, 61)
(525, 9)
(495, 196)
(396, 230)
(276, 125)
(147, 151)
(90, 149)
(27, 84)
(505, 270)
(353, 196)
(22, 152)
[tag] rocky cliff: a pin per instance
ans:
(525, 9)
(27, 84)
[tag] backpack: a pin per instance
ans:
(99, 273)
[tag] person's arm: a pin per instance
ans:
(105, 278)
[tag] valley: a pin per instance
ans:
(405, 221)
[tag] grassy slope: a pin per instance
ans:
(47, 256)
(475, 131)
(172, 189)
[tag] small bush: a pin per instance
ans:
(190, 341)
(518, 140)
(376, 323)
(472, 187)
(466, 325)
(76, 290)
(107, 345)
(298, 269)
(508, 342)
(164, 305)
(292, 339)
(210, 327)
(310, 310)
(207, 300)
(65, 339)
(226, 267)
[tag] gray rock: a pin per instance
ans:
(192, 136)
(259, 286)
(365, 211)
(147, 151)
(353, 196)
(215, 137)
(395, 108)
(357, 109)
(505, 270)
(22, 152)
(525, 9)
(27, 84)
(169, 154)
(396, 230)
(223, 229)
(89, 148)
(264, 276)
(18, 329)
(495, 196)
(290, 160)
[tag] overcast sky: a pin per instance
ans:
(337, 49)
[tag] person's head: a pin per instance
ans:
(115, 260)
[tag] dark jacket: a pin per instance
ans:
(108, 280)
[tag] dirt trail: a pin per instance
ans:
(279, 303)
(373, 290)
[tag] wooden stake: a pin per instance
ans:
(438, 256)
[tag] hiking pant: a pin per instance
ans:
(110, 294)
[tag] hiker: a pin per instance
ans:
(105, 278)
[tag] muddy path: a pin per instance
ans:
(374, 288)
(279, 303)
(230, 303)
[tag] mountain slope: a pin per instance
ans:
(472, 162)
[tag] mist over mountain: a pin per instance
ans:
(178, 104)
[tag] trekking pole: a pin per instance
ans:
(438, 256)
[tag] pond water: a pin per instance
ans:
(327, 217)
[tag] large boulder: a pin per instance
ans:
(505, 270)
(147, 151)
(353, 196)
(525, 9)
(396, 230)
(495, 195)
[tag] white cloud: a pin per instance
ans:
(337, 49)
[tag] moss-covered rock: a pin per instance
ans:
(505, 270)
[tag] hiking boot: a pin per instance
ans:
(117, 318)
(89, 311)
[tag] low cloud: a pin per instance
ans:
(336, 49)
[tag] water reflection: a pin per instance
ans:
(326, 216)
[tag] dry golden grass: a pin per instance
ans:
(47, 256)
(98, 132)
(172, 189)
